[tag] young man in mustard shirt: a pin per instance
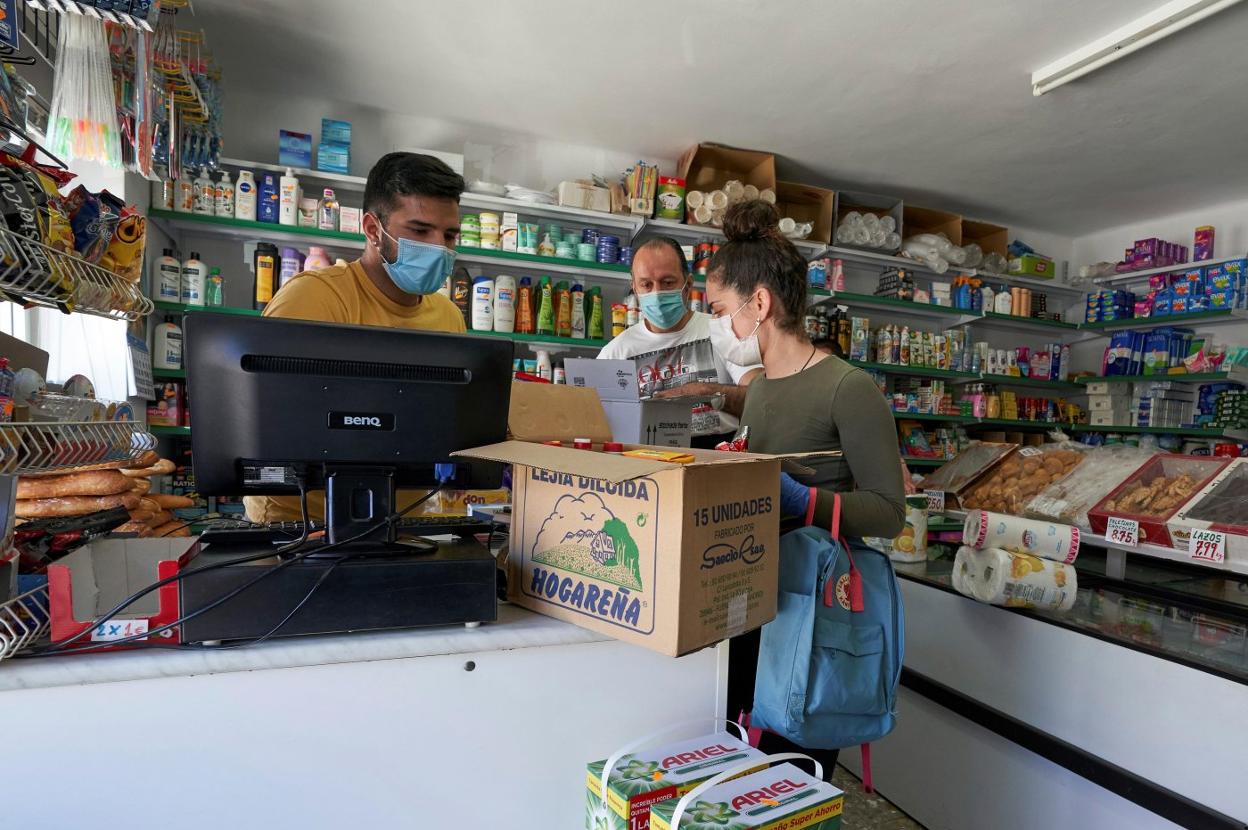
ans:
(411, 222)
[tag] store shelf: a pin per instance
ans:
(171, 374)
(1195, 318)
(1035, 284)
(926, 416)
(1240, 435)
(917, 371)
(542, 264)
(1230, 565)
(624, 225)
(948, 316)
(37, 274)
(159, 430)
(560, 343)
(24, 620)
(1144, 273)
(179, 308)
(1010, 321)
(1029, 383)
(1237, 376)
(1011, 422)
(924, 462)
(341, 180)
(44, 447)
(244, 230)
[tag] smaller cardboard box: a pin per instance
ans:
(633, 419)
(641, 779)
(708, 166)
(806, 203)
(782, 797)
(926, 220)
(991, 239)
(584, 195)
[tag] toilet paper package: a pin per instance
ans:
(1049, 540)
(1015, 580)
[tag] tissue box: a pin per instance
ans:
(294, 149)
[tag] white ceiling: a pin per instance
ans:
(930, 101)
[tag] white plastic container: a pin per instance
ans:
(288, 199)
(245, 196)
(544, 368)
(194, 278)
(184, 194)
(167, 278)
(316, 258)
(482, 304)
(327, 211)
(634, 309)
(504, 303)
(578, 312)
(167, 346)
(225, 196)
(204, 195)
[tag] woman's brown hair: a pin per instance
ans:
(755, 254)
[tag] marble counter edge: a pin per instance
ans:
(515, 628)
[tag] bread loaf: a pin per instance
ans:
(139, 485)
(169, 502)
(95, 483)
(162, 517)
(73, 505)
(172, 529)
(133, 527)
(162, 467)
(141, 515)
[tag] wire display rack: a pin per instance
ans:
(24, 620)
(34, 448)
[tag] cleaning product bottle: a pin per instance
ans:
(461, 292)
(214, 292)
(578, 312)
(595, 313)
(245, 196)
(194, 276)
(317, 258)
(545, 306)
(482, 304)
(224, 203)
(265, 265)
(563, 309)
(203, 194)
(167, 346)
(327, 211)
(184, 196)
(288, 199)
(544, 369)
(292, 264)
(524, 307)
(504, 303)
(167, 278)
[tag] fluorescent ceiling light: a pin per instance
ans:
(1161, 22)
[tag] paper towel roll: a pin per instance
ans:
(1047, 540)
(1020, 580)
(964, 571)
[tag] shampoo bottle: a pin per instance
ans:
(288, 199)
(265, 265)
(224, 205)
(267, 198)
(245, 197)
(461, 293)
(504, 303)
(482, 304)
(545, 307)
(194, 278)
(524, 307)
(167, 278)
(203, 195)
(563, 309)
(167, 346)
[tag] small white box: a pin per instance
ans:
(586, 196)
(1101, 387)
(507, 231)
(349, 220)
(1102, 403)
(1111, 419)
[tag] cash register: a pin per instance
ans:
(285, 407)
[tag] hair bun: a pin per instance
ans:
(751, 221)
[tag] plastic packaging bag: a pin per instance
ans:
(1069, 500)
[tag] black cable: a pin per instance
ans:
(272, 631)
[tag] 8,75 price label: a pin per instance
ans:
(1122, 531)
(1208, 545)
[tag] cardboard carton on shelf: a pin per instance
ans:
(708, 167)
(672, 557)
(807, 203)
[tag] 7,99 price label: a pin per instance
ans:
(1120, 531)
(1208, 545)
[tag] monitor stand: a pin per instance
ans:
(358, 501)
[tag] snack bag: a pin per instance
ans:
(124, 256)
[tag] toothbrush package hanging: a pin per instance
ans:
(83, 122)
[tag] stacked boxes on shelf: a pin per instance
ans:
(333, 154)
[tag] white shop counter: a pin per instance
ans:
(440, 727)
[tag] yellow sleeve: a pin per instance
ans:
(445, 315)
(307, 297)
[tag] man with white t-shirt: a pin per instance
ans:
(672, 343)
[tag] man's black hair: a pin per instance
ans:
(670, 244)
(408, 174)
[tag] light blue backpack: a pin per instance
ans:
(829, 663)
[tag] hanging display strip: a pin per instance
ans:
(32, 448)
(31, 272)
(23, 621)
(136, 14)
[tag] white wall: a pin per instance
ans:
(1230, 221)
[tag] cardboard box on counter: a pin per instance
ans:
(633, 419)
(672, 557)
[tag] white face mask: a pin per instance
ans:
(742, 351)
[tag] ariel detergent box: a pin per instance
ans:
(778, 798)
(638, 781)
(669, 556)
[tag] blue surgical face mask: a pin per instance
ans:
(663, 308)
(419, 268)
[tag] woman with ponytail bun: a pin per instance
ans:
(805, 401)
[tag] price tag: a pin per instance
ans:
(118, 630)
(1122, 531)
(1208, 545)
(935, 501)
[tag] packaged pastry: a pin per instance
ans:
(967, 466)
(1013, 482)
(1069, 499)
(1222, 505)
(1155, 492)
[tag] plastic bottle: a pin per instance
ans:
(203, 194)
(8, 378)
(167, 278)
(292, 264)
(267, 198)
(595, 313)
(245, 196)
(316, 258)
(544, 369)
(327, 211)
(903, 348)
(563, 309)
(194, 277)
(524, 307)
(987, 298)
(545, 306)
(164, 194)
(461, 292)
(634, 310)
(578, 312)
(265, 265)
(546, 247)
(167, 346)
(184, 194)
(482, 304)
(504, 303)
(560, 374)
(223, 204)
(214, 291)
(288, 199)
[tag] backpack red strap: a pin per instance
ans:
(867, 784)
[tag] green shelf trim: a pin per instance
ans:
(943, 526)
(1036, 383)
(919, 371)
(1190, 432)
(260, 228)
(851, 298)
(179, 308)
(1155, 322)
(169, 373)
(159, 430)
(531, 259)
(1029, 321)
(1011, 422)
(1189, 377)
(924, 416)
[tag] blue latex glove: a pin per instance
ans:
(794, 497)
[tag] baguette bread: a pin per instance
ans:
(93, 483)
(162, 467)
(169, 502)
(73, 505)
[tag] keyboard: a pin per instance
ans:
(278, 533)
